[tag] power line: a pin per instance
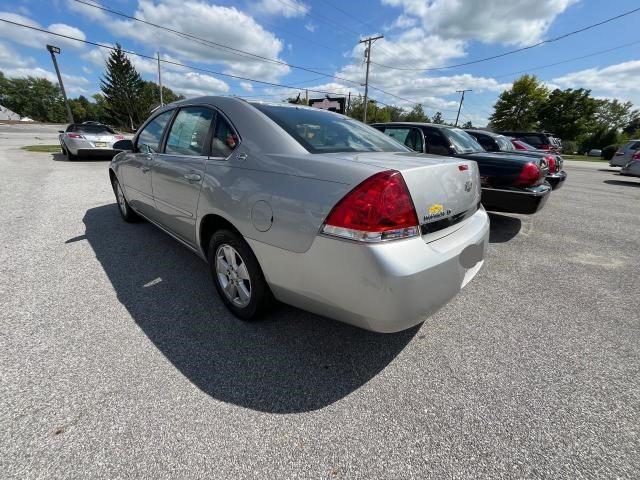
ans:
(511, 52)
(568, 60)
(169, 62)
(317, 16)
(212, 44)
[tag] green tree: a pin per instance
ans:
(568, 113)
(416, 114)
(517, 108)
(438, 118)
(614, 114)
(37, 98)
(122, 88)
(467, 124)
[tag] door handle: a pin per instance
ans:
(193, 177)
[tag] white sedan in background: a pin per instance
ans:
(88, 139)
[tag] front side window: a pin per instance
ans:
(319, 131)
(462, 142)
(188, 134)
(224, 139)
(151, 136)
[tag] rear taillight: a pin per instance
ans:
(529, 175)
(636, 156)
(552, 163)
(74, 135)
(119, 137)
(378, 209)
(546, 147)
(518, 146)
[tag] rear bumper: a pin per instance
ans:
(97, 152)
(383, 287)
(556, 180)
(521, 200)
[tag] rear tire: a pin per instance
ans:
(70, 156)
(126, 212)
(237, 276)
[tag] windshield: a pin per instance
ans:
(319, 131)
(462, 142)
(93, 129)
(504, 143)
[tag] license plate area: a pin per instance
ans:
(100, 144)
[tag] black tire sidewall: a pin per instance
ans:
(260, 293)
(130, 216)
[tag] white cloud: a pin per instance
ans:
(286, 8)
(15, 66)
(310, 26)
(492, 21)
(198, 18)
(35, 39)
(247, 86)
(619, 81)
(87, 11)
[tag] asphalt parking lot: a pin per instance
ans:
(117, 359)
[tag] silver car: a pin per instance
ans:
(307, 207)
(625, 153)
(632, 168)
(88, 139)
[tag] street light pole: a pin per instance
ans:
(461, 100)
(369, 41)
(53, 50)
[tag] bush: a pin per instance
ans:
(609, 151)
(569, 147)
(600, 139)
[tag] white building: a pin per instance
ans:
(6, 114)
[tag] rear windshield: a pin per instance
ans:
(319, 131)
(92, 129)
(462, 141)
(504, 143)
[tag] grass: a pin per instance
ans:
(584, 158)
(43, 148)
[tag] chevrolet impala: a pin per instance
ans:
(307, 207)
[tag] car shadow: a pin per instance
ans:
(290, 361)
(503, 227)
(611, 169)
(60, 157)
(625, 183)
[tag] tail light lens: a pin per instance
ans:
(74, 135)
(552, 163)
(378, 209)
(529, 175)
(636, 156)
(545, 147)
(119, 137)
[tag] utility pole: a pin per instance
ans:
(367, 53)
(348, 103)
(306, 97)
(53, 51)
(461, 100)
(160, 80)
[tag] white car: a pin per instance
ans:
(88, 138)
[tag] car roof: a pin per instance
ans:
(415, 124)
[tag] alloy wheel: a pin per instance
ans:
(233, 275)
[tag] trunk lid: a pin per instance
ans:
(441, 187)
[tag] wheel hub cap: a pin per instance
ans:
(233, 275)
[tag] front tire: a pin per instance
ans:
(237, 276)
(126, 212)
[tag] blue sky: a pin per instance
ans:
(323, 36)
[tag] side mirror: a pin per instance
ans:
(124, 145)
(60, 131)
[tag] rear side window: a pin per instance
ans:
(534, 140)
(410, 137)
(151, 136)
(188, 133)
(224, 139)
(632, 146)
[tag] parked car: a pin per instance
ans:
(310, 207)
(594, 152)
(494, 142)
(632, 168)
(88, 139)
(510, 183)
(539, 140)
(520, 145)
(625, 153)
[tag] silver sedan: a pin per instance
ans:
(307, 207)
(88, 139)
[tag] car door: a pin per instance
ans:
(136, 170)
(177, 171)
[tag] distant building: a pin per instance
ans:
(6, 114)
